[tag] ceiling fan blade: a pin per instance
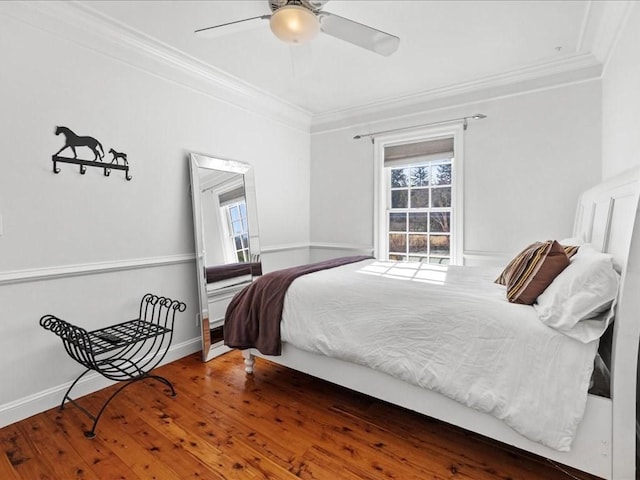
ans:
(358, 34)
(231, 27)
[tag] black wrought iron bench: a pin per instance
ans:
(125, 352)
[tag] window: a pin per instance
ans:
(418, 214)
(235, 230)
(419, 217)
(237, 225)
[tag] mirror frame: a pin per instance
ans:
(196, 162)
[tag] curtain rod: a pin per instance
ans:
(465, 120)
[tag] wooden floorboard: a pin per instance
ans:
(276, 424)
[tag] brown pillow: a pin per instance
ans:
(533, 270)
(570, 250)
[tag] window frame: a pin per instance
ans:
(229, 238)
(380, 234)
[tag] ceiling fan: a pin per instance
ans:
(299, 21)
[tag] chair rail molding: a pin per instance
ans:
(65, 271)
(341, 246)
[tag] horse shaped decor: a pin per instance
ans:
(72, 141)
(117, 156)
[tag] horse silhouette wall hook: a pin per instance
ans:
(117, 156)
(72, 141)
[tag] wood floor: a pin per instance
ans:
(277, 424)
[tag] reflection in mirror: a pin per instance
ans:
(226, 238)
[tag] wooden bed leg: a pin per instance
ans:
(249, 361)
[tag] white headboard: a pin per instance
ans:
(608, 217)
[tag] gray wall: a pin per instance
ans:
(87, 247)
(524, 166)
(621, 109)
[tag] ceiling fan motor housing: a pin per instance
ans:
(314, 5)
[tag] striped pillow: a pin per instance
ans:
(533, 270)
(570, 250)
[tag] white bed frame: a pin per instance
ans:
(608, 217)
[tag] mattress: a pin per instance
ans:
(451, 330)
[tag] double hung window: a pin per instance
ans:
(419, 199)
(236, 228)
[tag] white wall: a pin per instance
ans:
(621, 100)
(525, 165)
(87, 247)
(621, 113)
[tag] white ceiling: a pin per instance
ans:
(443, 44)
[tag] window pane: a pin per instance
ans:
(441, 197)
(238, 241)
(440, 244)
(441, 174)
(237, 227)
(418, 222)
(440, 222)
(399, 199)
(242, 256)
(439, 260)
(420, 210)
(420, 198)
(418, 243)
(399, 177)
(235, 214)
(420, 176)
(397, 222)
(397, 242)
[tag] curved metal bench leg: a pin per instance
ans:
(165, 381)
(92, 433)
(66, 395)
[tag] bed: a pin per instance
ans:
(596, 434)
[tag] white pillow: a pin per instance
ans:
(580, 300)
(571, 241)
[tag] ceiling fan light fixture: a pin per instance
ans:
(294, 24)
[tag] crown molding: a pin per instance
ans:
(566, 69)
(78, 23)
(607, 24)
(601, 28)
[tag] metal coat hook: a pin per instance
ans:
(73, 141)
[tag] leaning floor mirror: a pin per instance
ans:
(226, 240)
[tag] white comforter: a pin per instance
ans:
(450, 330)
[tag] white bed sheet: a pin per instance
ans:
(448, 329)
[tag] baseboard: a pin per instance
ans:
(39, 402)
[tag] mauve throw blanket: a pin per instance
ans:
(253, 316)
